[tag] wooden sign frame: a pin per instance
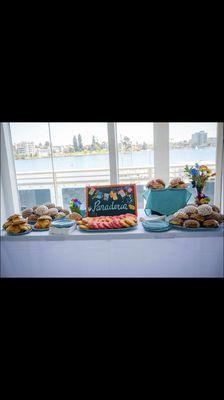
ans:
(133, 185)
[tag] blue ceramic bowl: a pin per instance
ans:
(63, 224)
(156, 226)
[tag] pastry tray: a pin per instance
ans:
(40, 230)
(131, 228)
(201, 229)
(19, 234)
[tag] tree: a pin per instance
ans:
(144, 146)
(75, 143)
(93, 146)
(47, 144)
(80, 145)
(126, 142)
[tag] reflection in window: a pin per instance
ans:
(136, 155)
(80, 157)
(58, 156)
(33, 165)
(192, 143)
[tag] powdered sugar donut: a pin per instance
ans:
(179, 211)
(41, 210)
(52, 211)
(204, 209)
(190, 209)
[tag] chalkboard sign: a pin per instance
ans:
(111, 200)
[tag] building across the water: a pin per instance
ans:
(199, 138)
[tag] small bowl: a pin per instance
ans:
(62, 224)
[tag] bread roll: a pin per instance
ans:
(191, 223)
(75, 216)
(27, 212)
(176, 221)
(41, 210)
(216, 216)
(49, 205)
(189, 209)
(205, 209)
(181, 215)
(210, 223)
(215, 208)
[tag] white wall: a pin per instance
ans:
(9, 192)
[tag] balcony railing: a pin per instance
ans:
(58, 180)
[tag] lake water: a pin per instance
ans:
(135, 159)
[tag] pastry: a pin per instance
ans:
(41, 210)
(156, 184)
(33, 218)
(83, 226)
(18, 227)
(176, 221)
(52, 211)
(123, 223)
(14, 217)
(11, 219)
(215, 208)
(216, 216)
(66, 212)
(27, 212)
(49, 205)
(204, 209)
(181, 215)
(197, 217)
(59, 215)
(177, 183)
(190, 209)
(75, 216)
(13, 229)
(59, 208)
(108, 222)
(191, 223)
(6, 224)
(210, 223)
(43, 222)
(129, 221)
(21, 221)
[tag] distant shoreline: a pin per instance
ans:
(103, 152)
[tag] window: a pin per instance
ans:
(135, 154)
(59, 159)
(80, 157)
(33, 164)
(190, 143)
(55, 161)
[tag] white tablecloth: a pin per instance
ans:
(131, 254)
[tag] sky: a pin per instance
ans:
(62, 133)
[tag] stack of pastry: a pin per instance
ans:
(59, 215)
(156, 184)
(11, 219)
(16, 224)
(55, 212)
(177, 183)
(75, 216)
(43, 222)
(192, 216)
(108, 222)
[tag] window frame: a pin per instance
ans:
(161, 161)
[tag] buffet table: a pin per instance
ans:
(134, 253)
